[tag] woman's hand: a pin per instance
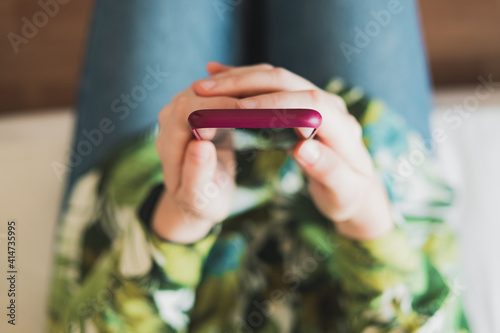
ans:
(341, 177)
(199, 180)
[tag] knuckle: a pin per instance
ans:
(162, 117)
(182, 100)
(232, 81)
(280, 73)
(351, 118)
(339, 101)
(265, 66)
(177, 96)
(276, 100)
(315, 95)
(163, 114)
(178, 109)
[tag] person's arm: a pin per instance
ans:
(407, 278)
(112, 272)
(386, 281)
(146, 269)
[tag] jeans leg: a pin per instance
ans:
(373, 44)
(140, 54)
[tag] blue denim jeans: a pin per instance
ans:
(141, 53)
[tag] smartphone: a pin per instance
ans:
(262, 129)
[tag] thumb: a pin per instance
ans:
(199, 166)
(322, 164)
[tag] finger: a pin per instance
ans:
(234, 70)
(320, 162)
(333, 181)
(251, 82)
(176, 134)
(339, 130)
(217, 69)
(207, 184)
(214, 67)
(198, 168)
(206, 84)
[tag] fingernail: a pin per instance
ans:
(309, 152)
(207, 84)
(247, 103)
(201, 155)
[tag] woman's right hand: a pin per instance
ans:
(199, 180)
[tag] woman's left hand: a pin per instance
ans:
(341, 177)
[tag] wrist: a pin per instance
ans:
(174, 223)
(373, 219)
